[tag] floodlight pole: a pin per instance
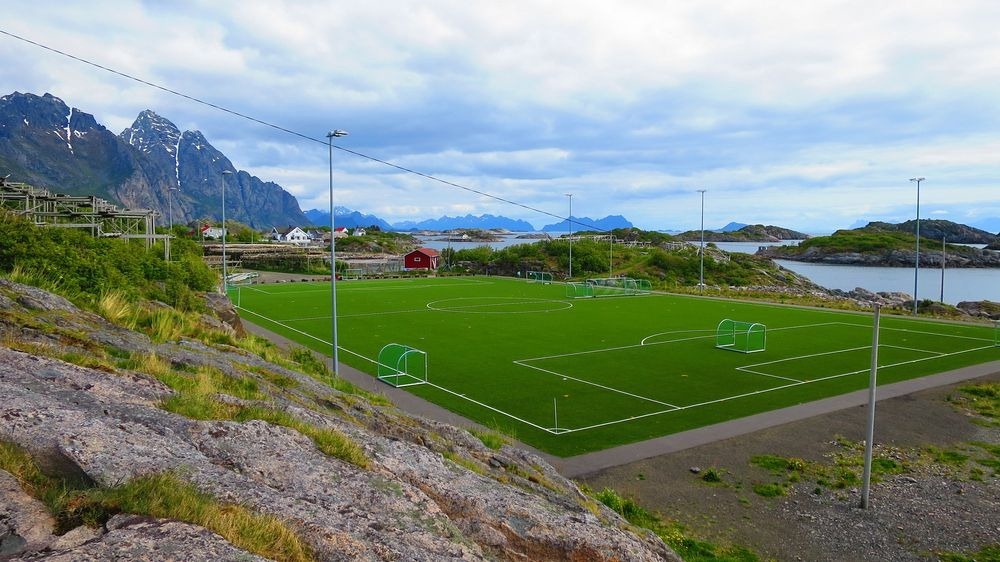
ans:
(944, 257)
(570, 195)
(701, 274)
(225, 272)
(333, 254)
(170, 207)
(916, 265)
(611, 254)
(870, 439)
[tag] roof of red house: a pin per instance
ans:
(429, 252)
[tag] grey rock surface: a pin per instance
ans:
(141, 539)
(25, 524)
(411, 502)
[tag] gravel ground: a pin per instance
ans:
(912, 515)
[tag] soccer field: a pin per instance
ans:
(572, 375)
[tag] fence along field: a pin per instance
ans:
(572, 375)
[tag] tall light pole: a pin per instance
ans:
(701, 273)
(570, 195)
(916, 264)
(333, 253)
(170, 206)
(225, 271)
(944, 258)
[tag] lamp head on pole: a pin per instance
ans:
(918, 180)
(336, 133)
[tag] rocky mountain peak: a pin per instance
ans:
(47, 113)
(150, 165)
(150, 132)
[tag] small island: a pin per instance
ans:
(888, 245)
(749, 233)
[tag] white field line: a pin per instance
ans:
(811, 355)
(938, 334)
(283, 325)
(252, 288)
(608, 388)
(718, 400)
(482, 305)
(763, 374)
(339, 315)
(913, 349)
(497, 410)
(643, 341)
(439, 387)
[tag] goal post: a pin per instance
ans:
(579, 290)
(401, 365)
(744, 337)
(538, 277)
(609, 287)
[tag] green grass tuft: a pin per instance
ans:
(490, 438)
(74, 503)
(690, 549)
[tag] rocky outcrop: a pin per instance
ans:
(981, 309)
(953, 232)
(749, 233)
(429, 491)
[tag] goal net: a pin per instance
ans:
(401, 365)
(608, 287)
(538, 277)
(744, 337)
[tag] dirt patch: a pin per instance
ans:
(912, 514)
(278, 277)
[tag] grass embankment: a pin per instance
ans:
(672, 533)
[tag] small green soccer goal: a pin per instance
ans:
(401, 365)
(538, 277)
(744, 337)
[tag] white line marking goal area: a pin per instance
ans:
(667, 372)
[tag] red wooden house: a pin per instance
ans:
(421, 258)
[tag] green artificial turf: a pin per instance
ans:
(576, 375)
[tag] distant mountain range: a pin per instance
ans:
(484, 222)
(347, 217)
(586, 223)
(150, 165)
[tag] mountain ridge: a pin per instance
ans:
(149, 165)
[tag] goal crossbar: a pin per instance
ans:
(608, 287)
(401, 365)
(744, 337)
(538, 277)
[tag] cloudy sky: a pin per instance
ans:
(809, 115)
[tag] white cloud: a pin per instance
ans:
(808, 115)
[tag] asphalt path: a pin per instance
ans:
(587, 463)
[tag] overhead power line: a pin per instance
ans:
(302, 136)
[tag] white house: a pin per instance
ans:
(360, 231)
(212, 232)
(290, 234)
